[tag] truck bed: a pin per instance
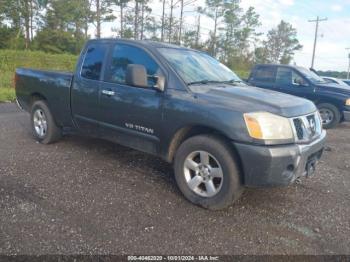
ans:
(54, 86)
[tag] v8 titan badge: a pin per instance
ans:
(140, 128)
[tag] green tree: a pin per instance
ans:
(215, 9)
(57, 41)
(122, 4)
(191, 37)
(18, 14)
(152, 26)
(280, 45)
(141, 14)
(103, 13)
(64, 26)
(247, 35)
(231, 21)
(145, 12)
(240, 54)
(11, 38)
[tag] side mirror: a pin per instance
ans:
(136, 75)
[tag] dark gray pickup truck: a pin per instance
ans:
(183, 106)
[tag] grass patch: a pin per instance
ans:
(242, 74)
(12, 59)
(7, 94)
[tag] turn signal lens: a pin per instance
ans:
(267, 126)
(253, 127)
(347, 102)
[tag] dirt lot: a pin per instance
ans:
(92, 197)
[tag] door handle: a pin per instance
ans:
(108, 92)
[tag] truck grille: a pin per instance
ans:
(307, 128)
(298, 125)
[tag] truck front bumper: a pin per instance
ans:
(346, 115)
(267, 166)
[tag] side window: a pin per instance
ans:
(93, 61)
(264, 74)
(122, 56)
(288, 77)
(298, 80)
(284, 76)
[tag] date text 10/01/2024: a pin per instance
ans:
(174, 258)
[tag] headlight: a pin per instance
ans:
(347, 102)
(267, 126)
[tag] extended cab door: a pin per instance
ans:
(131, 115)
(289, 81)
(263, 76)
(86, 88)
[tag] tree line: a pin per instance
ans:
(62, 26)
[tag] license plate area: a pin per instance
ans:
(311, 163)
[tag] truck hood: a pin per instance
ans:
(243, 98)
(334, 88)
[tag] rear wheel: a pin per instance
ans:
(206, 172)
(44, 127)
(330, 115)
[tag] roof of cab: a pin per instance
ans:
(147, 43)
(273, 65)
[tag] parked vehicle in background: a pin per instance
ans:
(346, 81)
(333, 80)
(181, 105)
(332, 100)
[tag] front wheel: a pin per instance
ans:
(207, 173)
(44, 127)
(330, 115)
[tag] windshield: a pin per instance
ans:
(311, 75)
(197, 67)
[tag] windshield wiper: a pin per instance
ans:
(203, 82)
(233, 81)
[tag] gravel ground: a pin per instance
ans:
(86, 196)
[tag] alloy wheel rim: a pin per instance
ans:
(203, 174)
(40, 123)
(327, 116)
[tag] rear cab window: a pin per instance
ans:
(284, 76)
(265, 74)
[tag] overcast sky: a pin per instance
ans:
(334, 34)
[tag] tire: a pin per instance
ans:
(43, 124)
(330, 115)
(227, 189)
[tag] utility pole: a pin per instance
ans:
(98, 19)
(198, 30)
(136, 20)
(348, 77)
(163, 22)
(317, 21)
(142, 18)
(181, 20)
(171, 19)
